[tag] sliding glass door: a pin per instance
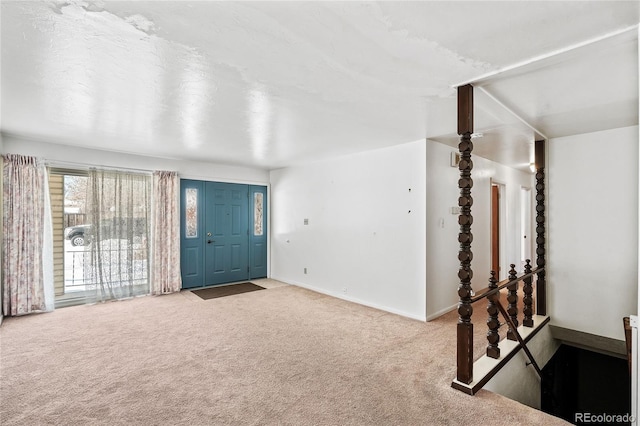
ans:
(101, 234)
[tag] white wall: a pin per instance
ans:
(92, 157)
(442, 226)
(592, 182)
(365, 240)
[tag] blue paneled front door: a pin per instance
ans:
(227, 228)
(221, 242)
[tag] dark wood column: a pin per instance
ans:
(512, 298)
(493, 322)
(527, 321)
(541, 283)
(465, 237)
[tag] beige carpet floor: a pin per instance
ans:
(284, 356)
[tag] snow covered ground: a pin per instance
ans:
(76, 274)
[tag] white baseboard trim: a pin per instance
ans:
(337, 295)
(441, 312)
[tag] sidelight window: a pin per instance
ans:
(191, 213)
(258, 209)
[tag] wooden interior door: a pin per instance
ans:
(495, 229)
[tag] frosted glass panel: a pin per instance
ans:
(192, 212)
(257, 213)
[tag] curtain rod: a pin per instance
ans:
(84, 166)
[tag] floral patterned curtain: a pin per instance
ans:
(165, 268)
(27, 272)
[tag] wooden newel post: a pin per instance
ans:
(512, 298)
(465, 237)
(541, 285)
(493, 322)
(527, 300)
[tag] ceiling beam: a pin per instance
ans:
(484, 78)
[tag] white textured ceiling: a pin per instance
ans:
(271, 84)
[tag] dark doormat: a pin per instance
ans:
(226, 290)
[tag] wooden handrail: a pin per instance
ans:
(505, 283)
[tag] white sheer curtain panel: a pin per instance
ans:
(118, 205)
(165, 268)
(27, 248)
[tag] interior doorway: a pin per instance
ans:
(525, 225)
(495, 229)
(498, 218)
